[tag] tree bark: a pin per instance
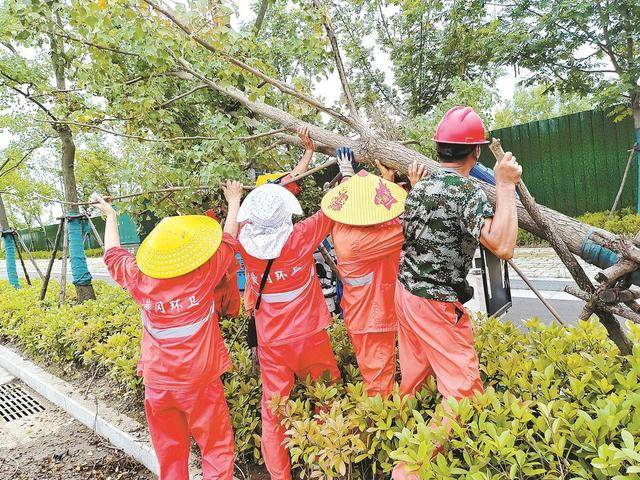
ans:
(635, 108)
(4, 220)
(84, 292)
(257, 26)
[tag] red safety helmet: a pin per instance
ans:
(461, 125)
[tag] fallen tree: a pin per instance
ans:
(371, 146)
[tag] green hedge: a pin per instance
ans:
(626, 221)
(43, 254)
(558, 404)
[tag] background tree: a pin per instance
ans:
(541, 102)
(47, 84)
(431, 44)
(584, 46)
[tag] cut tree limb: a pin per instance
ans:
(609, 321)
(340, 66)
(610, 309)
(394, 154)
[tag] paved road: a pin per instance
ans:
(525, 307)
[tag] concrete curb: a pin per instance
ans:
(543, 284)
(122, 431)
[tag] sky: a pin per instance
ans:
(330, 88)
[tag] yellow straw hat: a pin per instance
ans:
(179, 245)
(268, 178)
(364, 199)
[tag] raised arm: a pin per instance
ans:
(233, 193)
(111, 234)
(309, 145)
(499, 234)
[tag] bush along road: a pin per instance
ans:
(558, 403)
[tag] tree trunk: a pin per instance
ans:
(79, 269)
(635, 108)
(9, 247)
(260, 18)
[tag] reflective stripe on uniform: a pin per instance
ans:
(176, 332)
(287, 296)
(358, 281)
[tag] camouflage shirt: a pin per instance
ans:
(444, 214)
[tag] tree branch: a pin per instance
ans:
(26, 95)
(10, 47)
(24, 157)
(257, 26)
(339, 65)
(181, 96)
(261, 135)
(283, 118)
(95, 45)
(295, 141)
(125, 135)
(238, 63)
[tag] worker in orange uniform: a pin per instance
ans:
(447, 216)
(367, 237)
(291, 315)
(173, 278)
(227, 292)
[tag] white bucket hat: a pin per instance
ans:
(267, 211)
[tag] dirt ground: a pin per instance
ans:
(72, 452)
(50, 445)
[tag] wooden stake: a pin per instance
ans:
(33, 261)
(56, 245)
(544, 301)
(95, 232)
(24, 267)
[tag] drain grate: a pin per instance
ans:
(15, 403)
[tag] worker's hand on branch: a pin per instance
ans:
(507, 171)
(232, 191)
(102, 204)
(345, 157)
(416, 172)
(309, 145)
(386, 172)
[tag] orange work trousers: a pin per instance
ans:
(435, 338)
(202, 412)
(279, 365)
(376, 356)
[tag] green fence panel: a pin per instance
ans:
(39, 239)
(573, 164)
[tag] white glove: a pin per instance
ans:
(345, 158)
